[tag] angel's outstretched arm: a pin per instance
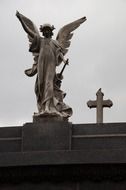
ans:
(26, 28)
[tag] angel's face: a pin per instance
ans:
(47, 33)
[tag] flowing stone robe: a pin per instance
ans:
(47, 56)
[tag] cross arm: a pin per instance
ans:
(107, 103)
(92, 104)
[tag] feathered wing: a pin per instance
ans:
(65, 33)
(27, 23)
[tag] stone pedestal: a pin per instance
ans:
(46, 135)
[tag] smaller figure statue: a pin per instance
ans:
(48, 54)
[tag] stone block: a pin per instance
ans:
(46, 136)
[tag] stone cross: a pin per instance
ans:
(99, 104)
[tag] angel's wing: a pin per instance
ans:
(65, 33)
(28, 26)
(32, 33)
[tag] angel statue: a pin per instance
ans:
(48, 54)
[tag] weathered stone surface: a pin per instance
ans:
(10, 139)
(62, 136)
(48, 118)
(94, 156)
(46, 136)
(64, 156)
(100, 136)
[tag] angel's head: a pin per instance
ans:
(46, 30)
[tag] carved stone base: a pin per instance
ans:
(48, 117)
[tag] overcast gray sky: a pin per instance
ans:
(97, 57)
